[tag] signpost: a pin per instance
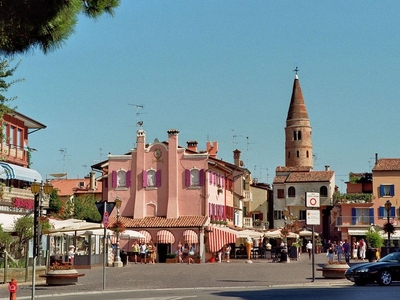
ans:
(313, 218)
(105, 208)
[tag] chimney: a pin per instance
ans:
(326, 168)
(192, 145)
(212, 149)
(92, 179)
(376, 158)
(236, 157)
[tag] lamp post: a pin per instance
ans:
(39, 190)
(388, 207)
(117, 261)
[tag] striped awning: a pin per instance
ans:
(218, 237)
(147, 236)
(165, 237)
(189, 236)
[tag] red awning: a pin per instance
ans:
(147, 236)
(165, 237)
(189, 236)
(218, 237)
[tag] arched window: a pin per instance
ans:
(292, 191)
(295, 135)
(194, 177)
(298, 153)
(323, 191)
(307, 154)
(299, 135)
(151, 178)
(121, 178)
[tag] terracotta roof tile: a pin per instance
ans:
(310, 176)
(67, 187)
(293, 169)
(161, 222)
(280, 179)
(387, 164)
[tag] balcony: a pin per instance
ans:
(254, 224)
(352, 198)
(354, 221)
(248, 196)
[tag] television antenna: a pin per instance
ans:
(138, 107)
(234, 136)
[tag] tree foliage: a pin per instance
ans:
(5, 239)
(26, 24)
(85, 209)
(6, 71)
(23, 228)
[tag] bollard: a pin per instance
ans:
(12, 287)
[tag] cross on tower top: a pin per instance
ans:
(296, 70)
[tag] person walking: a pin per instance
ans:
(355, 250)
(179, 252)
(227, 252)
(135, 250)
(191, 253)
(142, 250)
(330, 253)
(150, 252)
(361, 249)
(339, 251)
(71, 254)
(346, 251)
(309, 248)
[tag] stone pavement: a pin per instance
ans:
(237, 272)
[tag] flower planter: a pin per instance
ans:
(170, 261)
(62, 277)
(334, 271)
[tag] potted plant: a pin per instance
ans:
(171, 258)
(374, 242)
(295, 249)
(334, 270)
(198, 259)
(61, 274)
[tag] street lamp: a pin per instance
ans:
(388, 207)
(39, 190)
(117, 261)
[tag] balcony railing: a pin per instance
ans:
(248, 196)
(352, 198)
(354, 220)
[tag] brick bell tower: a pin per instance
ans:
(298, 145)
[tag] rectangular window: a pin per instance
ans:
(278, 214)
(281, 193)
(302, 215)
(362, 216)
(386, 190)
(382, 213)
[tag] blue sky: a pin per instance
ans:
(215, 70)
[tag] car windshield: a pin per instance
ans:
(392, 257)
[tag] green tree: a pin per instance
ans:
(56, 205)
(23, 228)
(26, 24)
(6, 71)
(5, 239)
(85, 209)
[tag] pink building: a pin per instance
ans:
(172, 194)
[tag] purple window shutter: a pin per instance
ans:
(210, 210)
(144, 178)
(187, 177)
(128, 178)
(114, 179)
(201, 177)
(158, 178)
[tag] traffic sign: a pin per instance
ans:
(105, 219)
(312, 199)
(313, 217)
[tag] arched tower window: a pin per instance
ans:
(295, 135)
(307, 154)
(299, 135)
(298, 153)
(292, 191)
(323, 191)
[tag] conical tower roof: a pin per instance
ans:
(297, 109)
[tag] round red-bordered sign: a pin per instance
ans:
(105, 219)
(313, 201)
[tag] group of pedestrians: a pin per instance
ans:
(184, 252)
(343, 249)
(145, 251)
(226, 252)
